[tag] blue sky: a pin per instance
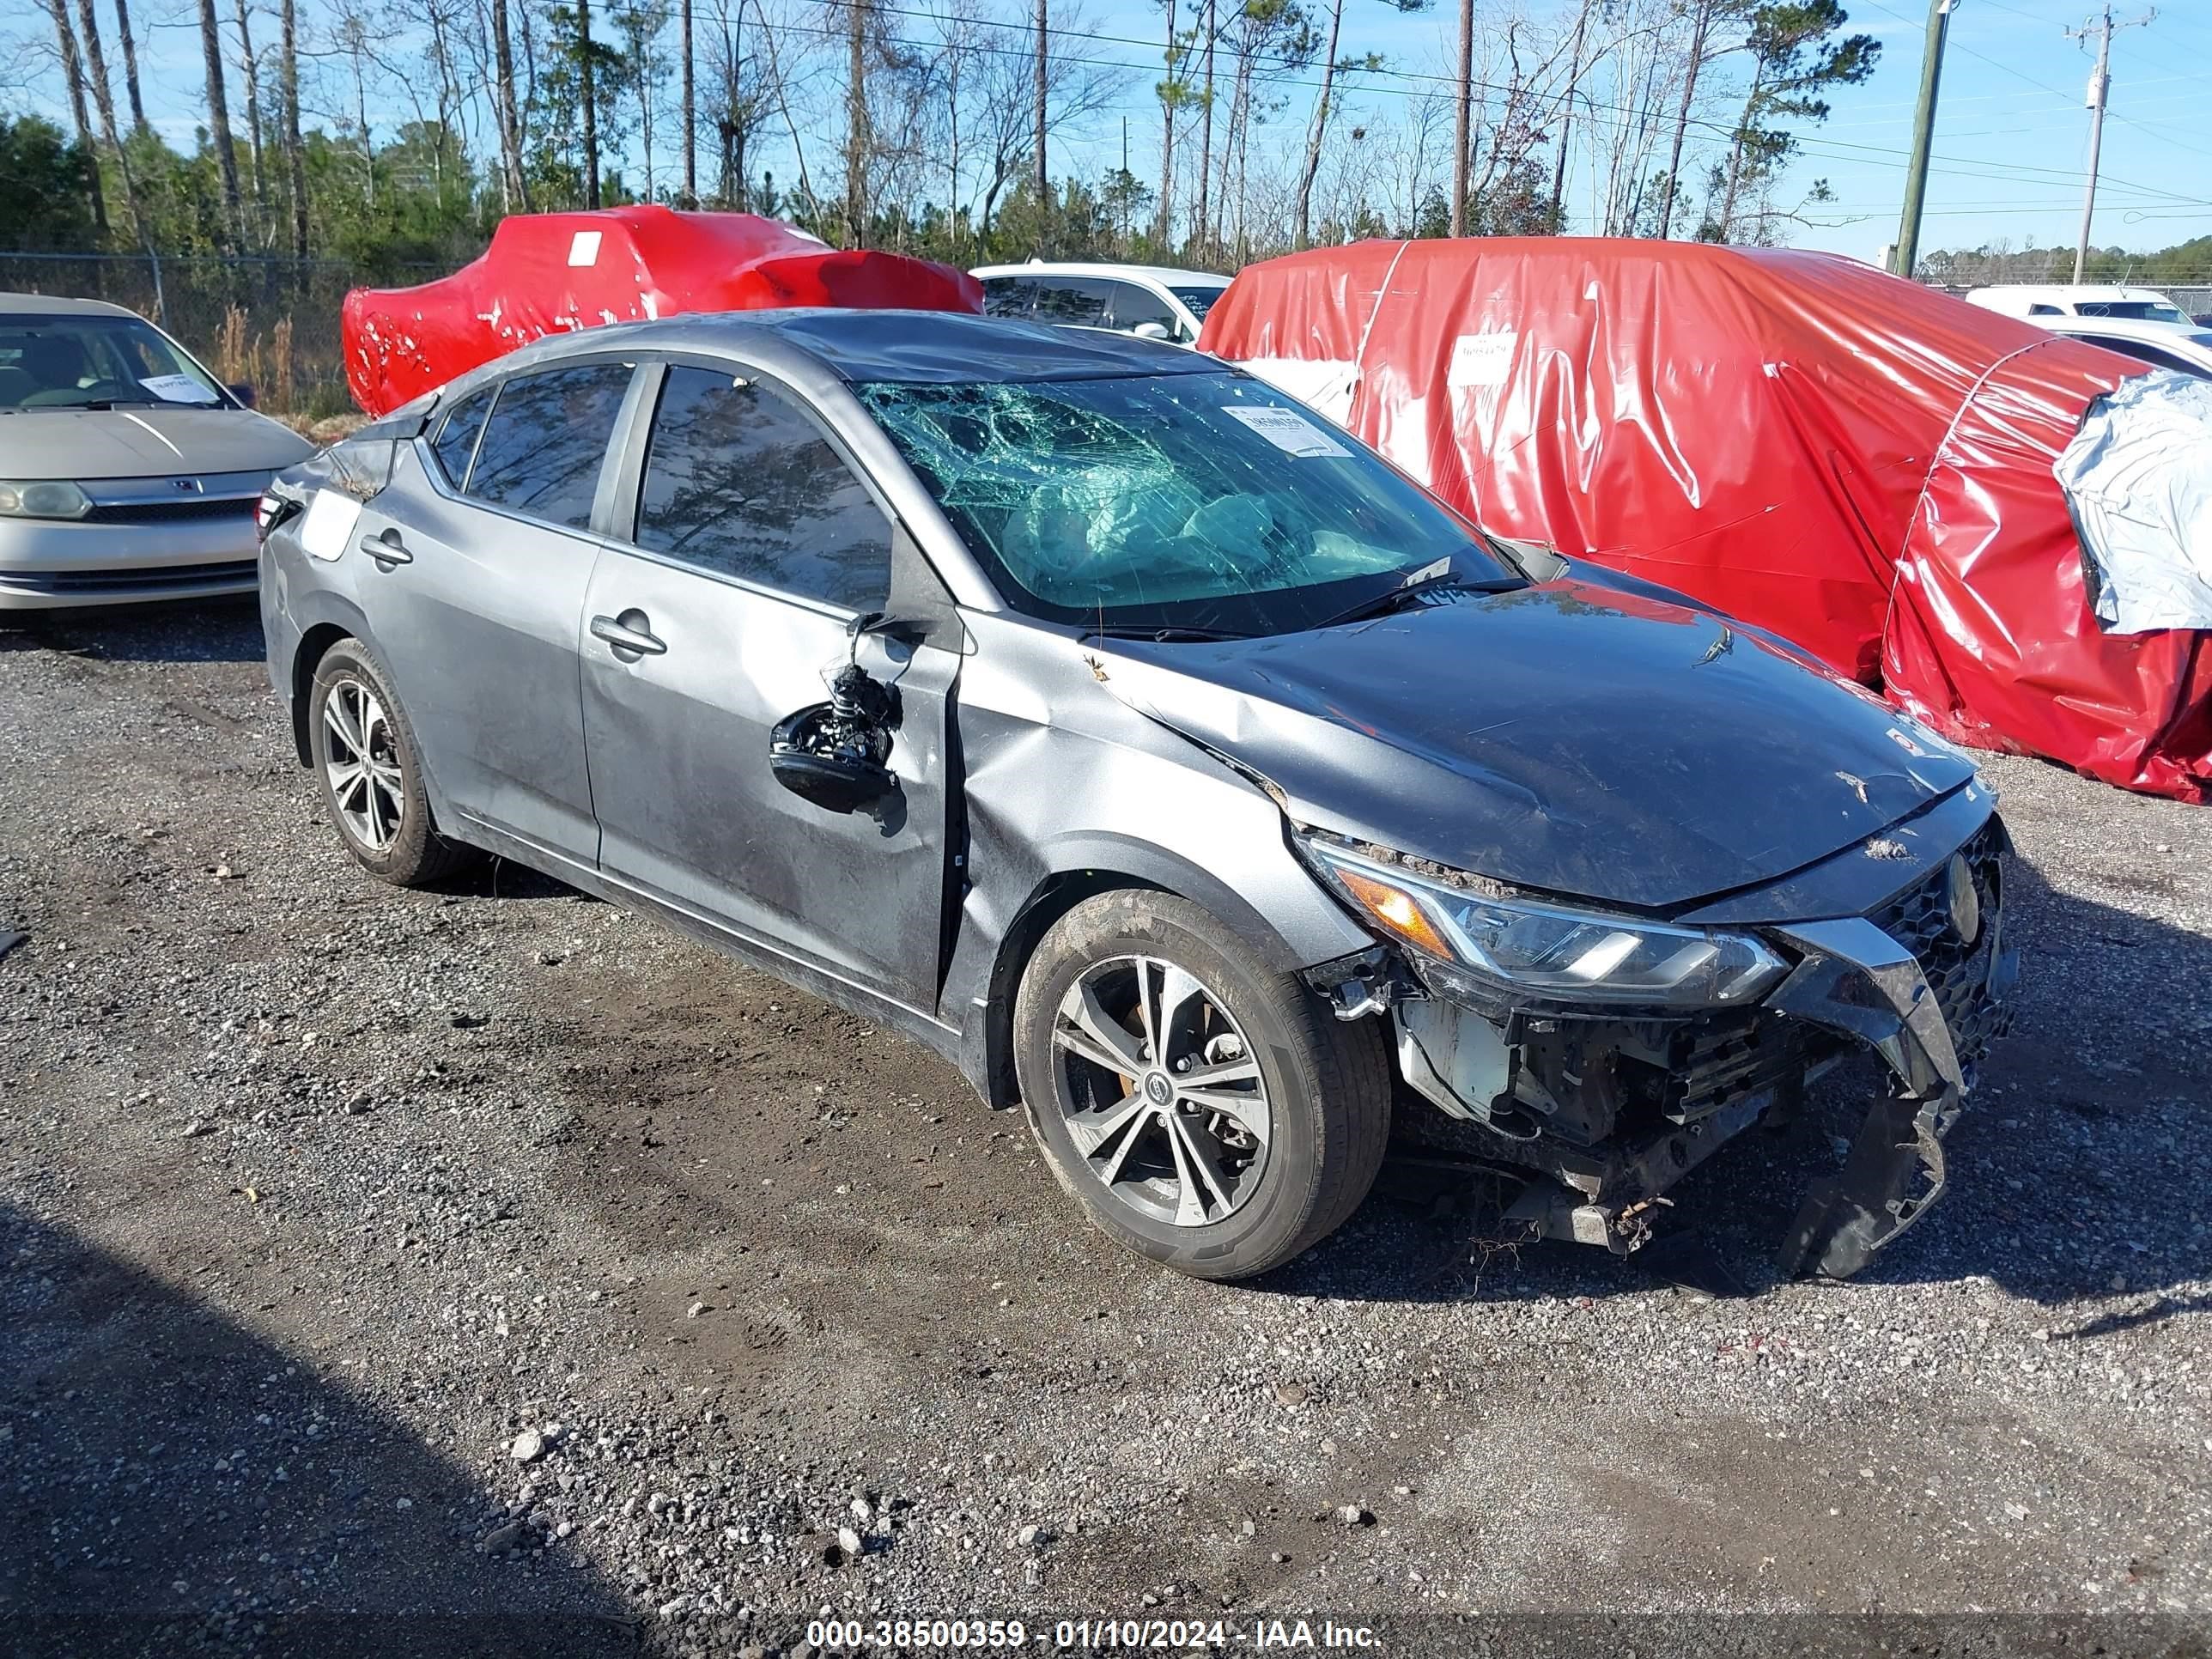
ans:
(2011, 139)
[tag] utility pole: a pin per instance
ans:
(2100, 88)
(1924, 128)
(1462, 117)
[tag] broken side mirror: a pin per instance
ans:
(833, 753)
(834, 781)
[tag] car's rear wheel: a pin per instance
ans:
(1204, 1110)
(371, 772)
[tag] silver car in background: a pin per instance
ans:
(127, 471)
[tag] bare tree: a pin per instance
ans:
(129, 65)
(585, 75)
(73, 72)
(245, 63)
(226, 152)
(1302, 232)
(295, 161)
(1171, 92)
(691, 114)
(1040, 91)
(859, 141)
(1463, 120)
(506, 112)
(1209, 34)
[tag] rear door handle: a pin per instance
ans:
(386, 552)
(630, 635)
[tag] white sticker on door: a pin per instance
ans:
(584, 248)
(1287, 429)
(1481, 359)
(177, 389)
(329, 524)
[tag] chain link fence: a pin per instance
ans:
(272, 322)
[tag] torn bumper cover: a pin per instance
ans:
(1607, 1109)
(1857, 981)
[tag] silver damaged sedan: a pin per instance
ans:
(127, 471)
(1092, 712)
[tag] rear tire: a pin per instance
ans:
(370, 771)
(1133, 998)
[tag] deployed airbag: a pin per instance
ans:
(2139, 473)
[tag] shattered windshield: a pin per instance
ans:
(1204, 499)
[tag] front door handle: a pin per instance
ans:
(386, 550)
(630, 635)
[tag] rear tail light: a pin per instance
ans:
(271, 511)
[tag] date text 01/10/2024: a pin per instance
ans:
(1081, 1635)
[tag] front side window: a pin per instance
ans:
(1134, 307)
(1199, 297)
(1079, 300)
(738, 480)
(1007, 296)
(543, 448)
(95, 360)
(1204, 499)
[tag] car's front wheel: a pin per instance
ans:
(1204, 1110)
(371, 772)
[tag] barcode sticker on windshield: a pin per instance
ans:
(1287, 429)
(177, 389)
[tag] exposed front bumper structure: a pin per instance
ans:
(1606, 1114)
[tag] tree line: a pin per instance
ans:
(393, 135)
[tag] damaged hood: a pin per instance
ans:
(1567, 737)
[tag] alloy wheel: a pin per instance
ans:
(1160, 1091)
(362, 766)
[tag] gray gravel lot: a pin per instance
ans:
(493, 1272)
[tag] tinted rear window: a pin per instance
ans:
(548, 434)
(457, 439)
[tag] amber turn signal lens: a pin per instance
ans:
(1396, 910)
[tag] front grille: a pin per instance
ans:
(151, 579)
(189, 509)
(1919, 919)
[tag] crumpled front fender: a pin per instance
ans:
(1856, 980)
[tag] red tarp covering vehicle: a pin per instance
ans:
(546, 273)
(1859, 464)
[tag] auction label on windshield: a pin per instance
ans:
(1287, 429)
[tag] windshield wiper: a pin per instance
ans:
(1161, 634)
(1415, 587)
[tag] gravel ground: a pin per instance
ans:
(486, 1270)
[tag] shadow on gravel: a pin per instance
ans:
(2076, 1173)
(175, 1484)
(184, 630)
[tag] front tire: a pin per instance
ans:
(370, 771)
(1204, 1110)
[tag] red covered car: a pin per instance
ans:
(551, 273)
(1859, 464)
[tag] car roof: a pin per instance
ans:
(1167, 274)
(913, 347)
(60, 305)
(2071, 291)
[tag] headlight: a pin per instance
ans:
(45, 499)
(1548, 951)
